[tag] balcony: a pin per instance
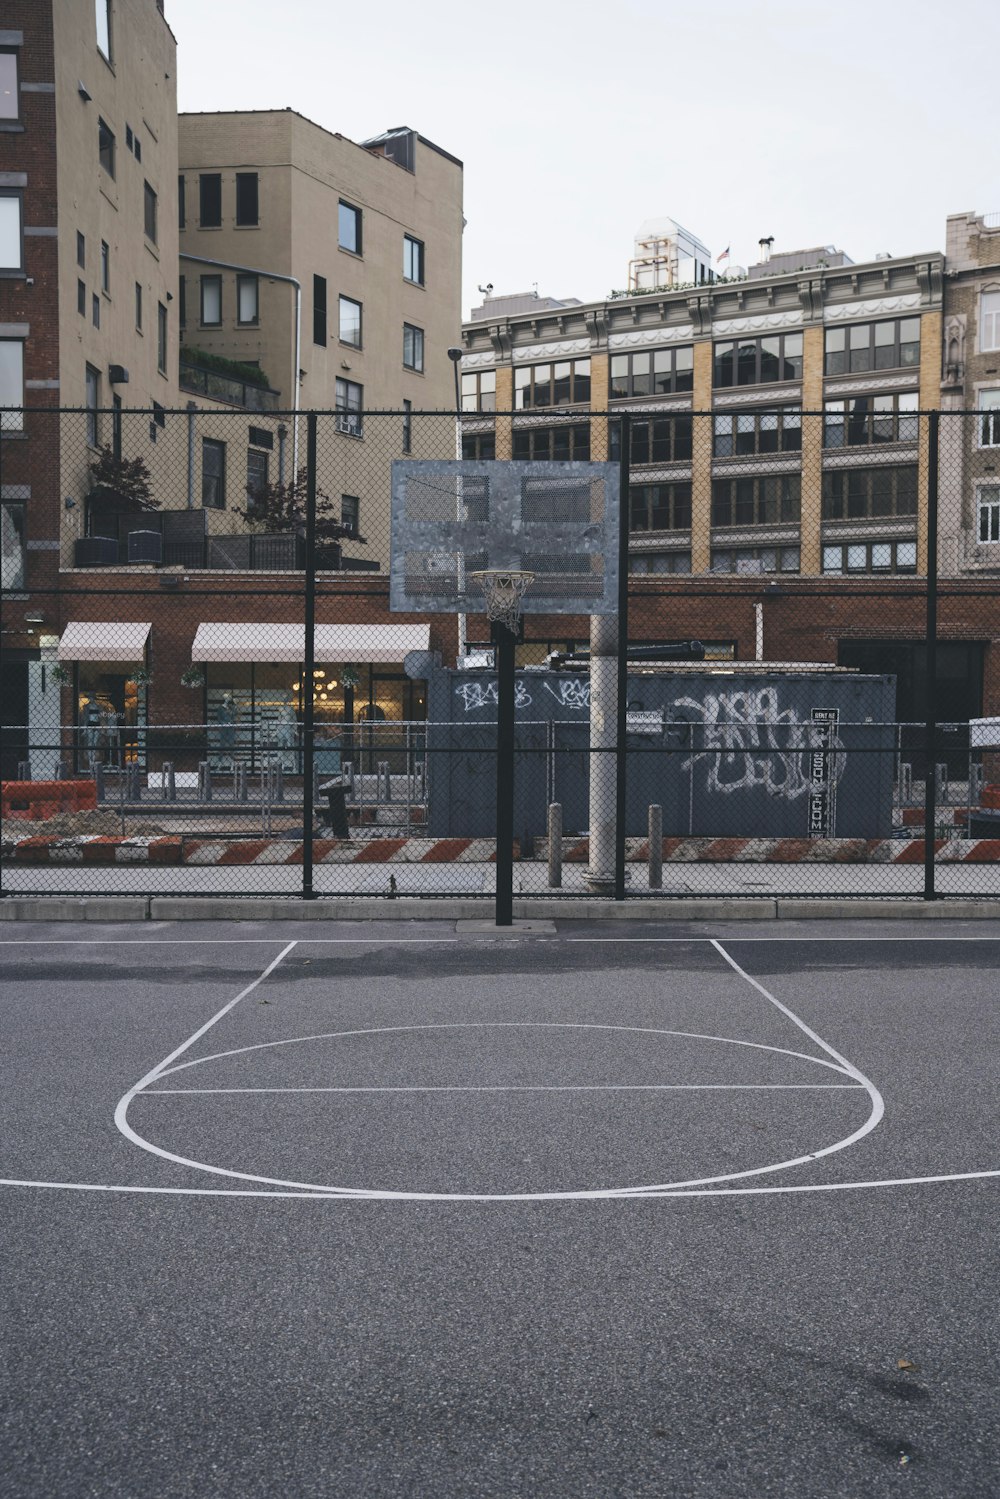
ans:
(219, 379)
(180, 539)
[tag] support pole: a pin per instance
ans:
(930, 728)
(600, 875)
(621, 762)
(503, 644)
(655, 847)
(555, 846)
(309, 663)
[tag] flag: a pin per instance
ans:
(724, 256)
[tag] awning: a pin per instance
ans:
(259, 641)
(104, 640)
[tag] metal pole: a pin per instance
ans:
(930, 728)
(620, 758)
(503, 645)
(309, 663)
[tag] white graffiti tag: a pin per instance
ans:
(479, 695)
(748, 740)
(571, 693)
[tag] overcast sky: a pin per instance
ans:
(839, 124)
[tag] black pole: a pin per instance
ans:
(503, 646)
(625, 431)
(930, 737)
(309, 662)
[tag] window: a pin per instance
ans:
(213, 474)
(772, 500)
(652, 372)
(751, 560)
(95, 310)
(138, 306)
(870, 557)
(349, 227)
(989, 422)
(553, 444)
(660, 562)
(93, 401)
(407, 426)
(989, 321)
(479, 391)
(10, 92)
(350, 513)
(81, 251)
(563, 384)
(182, 300)
(102, 10)
(860, 421)
(413, 259)
(256, 477)
(161, 338)
(12, 548)
(989, 512)
(106, 147)
(873, 346)
(247, 299)
(413, 347)
(479, 445)
(11, 384)
(11, 241)
(350, 399)
(659, 507)
(864, 493)
(667, 439)
(247, 205)
(128, 136)
(758, 361)
(137, 148)
(210, 200)
(319, 310)
(350, 322)
(81, 298)
(149, 212)
(747, 433)
(180, 203)
(211, 301)
(105, 268)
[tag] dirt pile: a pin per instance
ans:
(99, 822)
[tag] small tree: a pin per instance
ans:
(279, 507)
(124, 483)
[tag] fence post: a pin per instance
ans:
(555, 846)
(625, 457)
(655, 846)
(309, 663)
(930, 736)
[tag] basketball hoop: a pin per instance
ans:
(503, 592)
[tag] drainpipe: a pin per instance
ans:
(282, 435)
(250, 270)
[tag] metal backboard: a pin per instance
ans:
(556, 520)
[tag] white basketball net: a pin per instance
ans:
(503, 593)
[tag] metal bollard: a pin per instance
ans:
(382, 780)
(977, 780)
(99, 788)
(655, 846)
(168, 781)
(905, 784)
(279, 780)
(204, 781)
(555, 827)
(941, 777)
(24, 770)
(62, 770)
(347, 775)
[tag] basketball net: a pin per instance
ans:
(503, 592)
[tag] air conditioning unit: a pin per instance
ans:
(95, 551)
(145, 547)
(349, 422)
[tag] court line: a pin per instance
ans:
(522, 1088)
(439, 941)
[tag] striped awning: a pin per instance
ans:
(104, 640)
(266, 641)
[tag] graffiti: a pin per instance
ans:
(748, 740)
(478, 695)
(571, 692)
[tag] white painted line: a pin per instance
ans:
(524, 1088)
(441, 941)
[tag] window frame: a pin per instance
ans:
(344, 208)
(528, 443)
(81, 297)
(350, 411)
(213, 483)
(988, 511)
(672, 386)
(650, 501)
(12, 416)
(407, 425)
(843, 506)
(413, 348)
(138, 307)
(92, 405)
(479, 447)
(81, 249)
(527, 383)
(260, 459)
(839, 362)
(181, 201)
(738, 552)
(989, 319)
(837, 413)
(869, 544)
(150, 212)
(95, 309)
(204, 282)
(787, 429)
(16, 195)
(413, 249)
(240, 221)
(474, 396)
(16, 514)
(247, 279)
(740, 361)
(102, 11)
(988, 434)
(15, 118)
(107, 147)
(343, 303)
(788, 501)
(351, 518)
(204, 191)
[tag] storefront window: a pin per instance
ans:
(110, 716)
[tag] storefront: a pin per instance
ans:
(106, 667)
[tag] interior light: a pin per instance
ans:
(333, 681)
(296, 686)
(319, 673)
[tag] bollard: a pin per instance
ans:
(204, 781)
(905, 784)
(279, 780)
(168, 781)
(62, 770)
(241, 790)
(941, 777)
(99, 781)
(977, 781)
(24, 770)
(382, 779)
(555, 845)
(348, 776)
(134, 789)
(655, 846)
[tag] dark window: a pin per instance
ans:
(95, 310)
(552, 444)
(81, 298)
(563, 384)
(105, 267)
(138, 306)
(106, 147)
(665, 439)
(479, 391)
(350, 513)
(350, 403)
(870, 557)
(773, 499)
(659, 507)
(861, 347)
(161, 338)
(247, 206)
(256, 477)
(213, 474)
(745, 433)
(180, 202)
(479, 445)
(211, 301)
(93, 401)
(12, 529)
(81, 250)
(10, 92)
(159, 414)
(752, 560)
(407, 426)
(182, 301)
(413, 259)
(210, 200)
(149, 212)
(660, 562)
(413, 347)
(137, 148)
(867, 493)
(861, 421)
(128, 136)
(349, 227)
(319, 310)
(650, 372)
(758, 361)
(350, 322)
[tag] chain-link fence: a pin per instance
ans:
(206, 692)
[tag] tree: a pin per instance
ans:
(279, 507)
(122, 483)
